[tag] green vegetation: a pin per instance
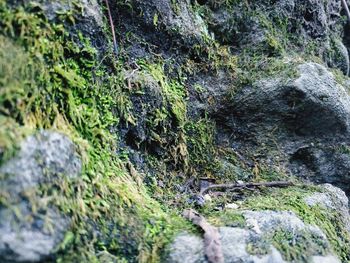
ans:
(53, 81)
(51, 77)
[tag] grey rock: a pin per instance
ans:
(313, 104)
(322, 164)
(91, 9)
(337, 56)
(186, 248)
(307, 115)
(43, 158)
(237, 243)
(332, 198)
(31, 228)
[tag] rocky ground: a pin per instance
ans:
(104, 145)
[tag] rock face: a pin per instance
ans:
(176, 16)
(309, 117)
(30, 228)
(313, 104)
(255, 242)
(248, 25)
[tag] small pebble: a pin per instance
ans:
(231, 206)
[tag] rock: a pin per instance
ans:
(313, 104)
(186, 248)
(322, 164)
(249, 245)
(337, 56)
(231, 206)
(30, 228)
(309, 117)
(311, 19)
(334, 199)
(146, 103)
(176, 16)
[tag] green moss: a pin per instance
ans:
(292, 199)
(200, 140)
(53, 81)
(298, 247)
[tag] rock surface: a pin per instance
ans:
(31, 228)
(255, 242)
(334, 199)
(312, 104)
(306, 116)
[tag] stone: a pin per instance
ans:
(30, 228)
(248, 245)
(312, 104)
(334, 199)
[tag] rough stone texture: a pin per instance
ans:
(30, 229)
(175, 16)
(313, 104)
(322, 164)
(260, 226)
(334, 199)
(337, 56)
(307, 116)
(258, 24)
(207, 91)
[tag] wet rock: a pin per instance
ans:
(146, 103)
(254, 243)
(311, 19)
(337, 56)
(31, 228)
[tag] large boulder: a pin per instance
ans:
(303, 115)
(274, 27)
(256, 242)
(30, 227)
(312, 104)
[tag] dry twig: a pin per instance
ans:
(232, 186)
(115, 45)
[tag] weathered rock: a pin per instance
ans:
(333, 199)
(30, 228)
(313, 104)
(337, 56)
(254, 243)
(311, 19)
(176, 16)
(271, 26)
(322, 164)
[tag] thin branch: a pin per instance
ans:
(230, 186)
(112, 28)
(345, 5)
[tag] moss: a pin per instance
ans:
(201, 146)
(298, 247)
(59, 84)
(292, 199)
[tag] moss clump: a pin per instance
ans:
(298, 247)
(292, 199)
(60, 84)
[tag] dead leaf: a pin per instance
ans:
(212, 243)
